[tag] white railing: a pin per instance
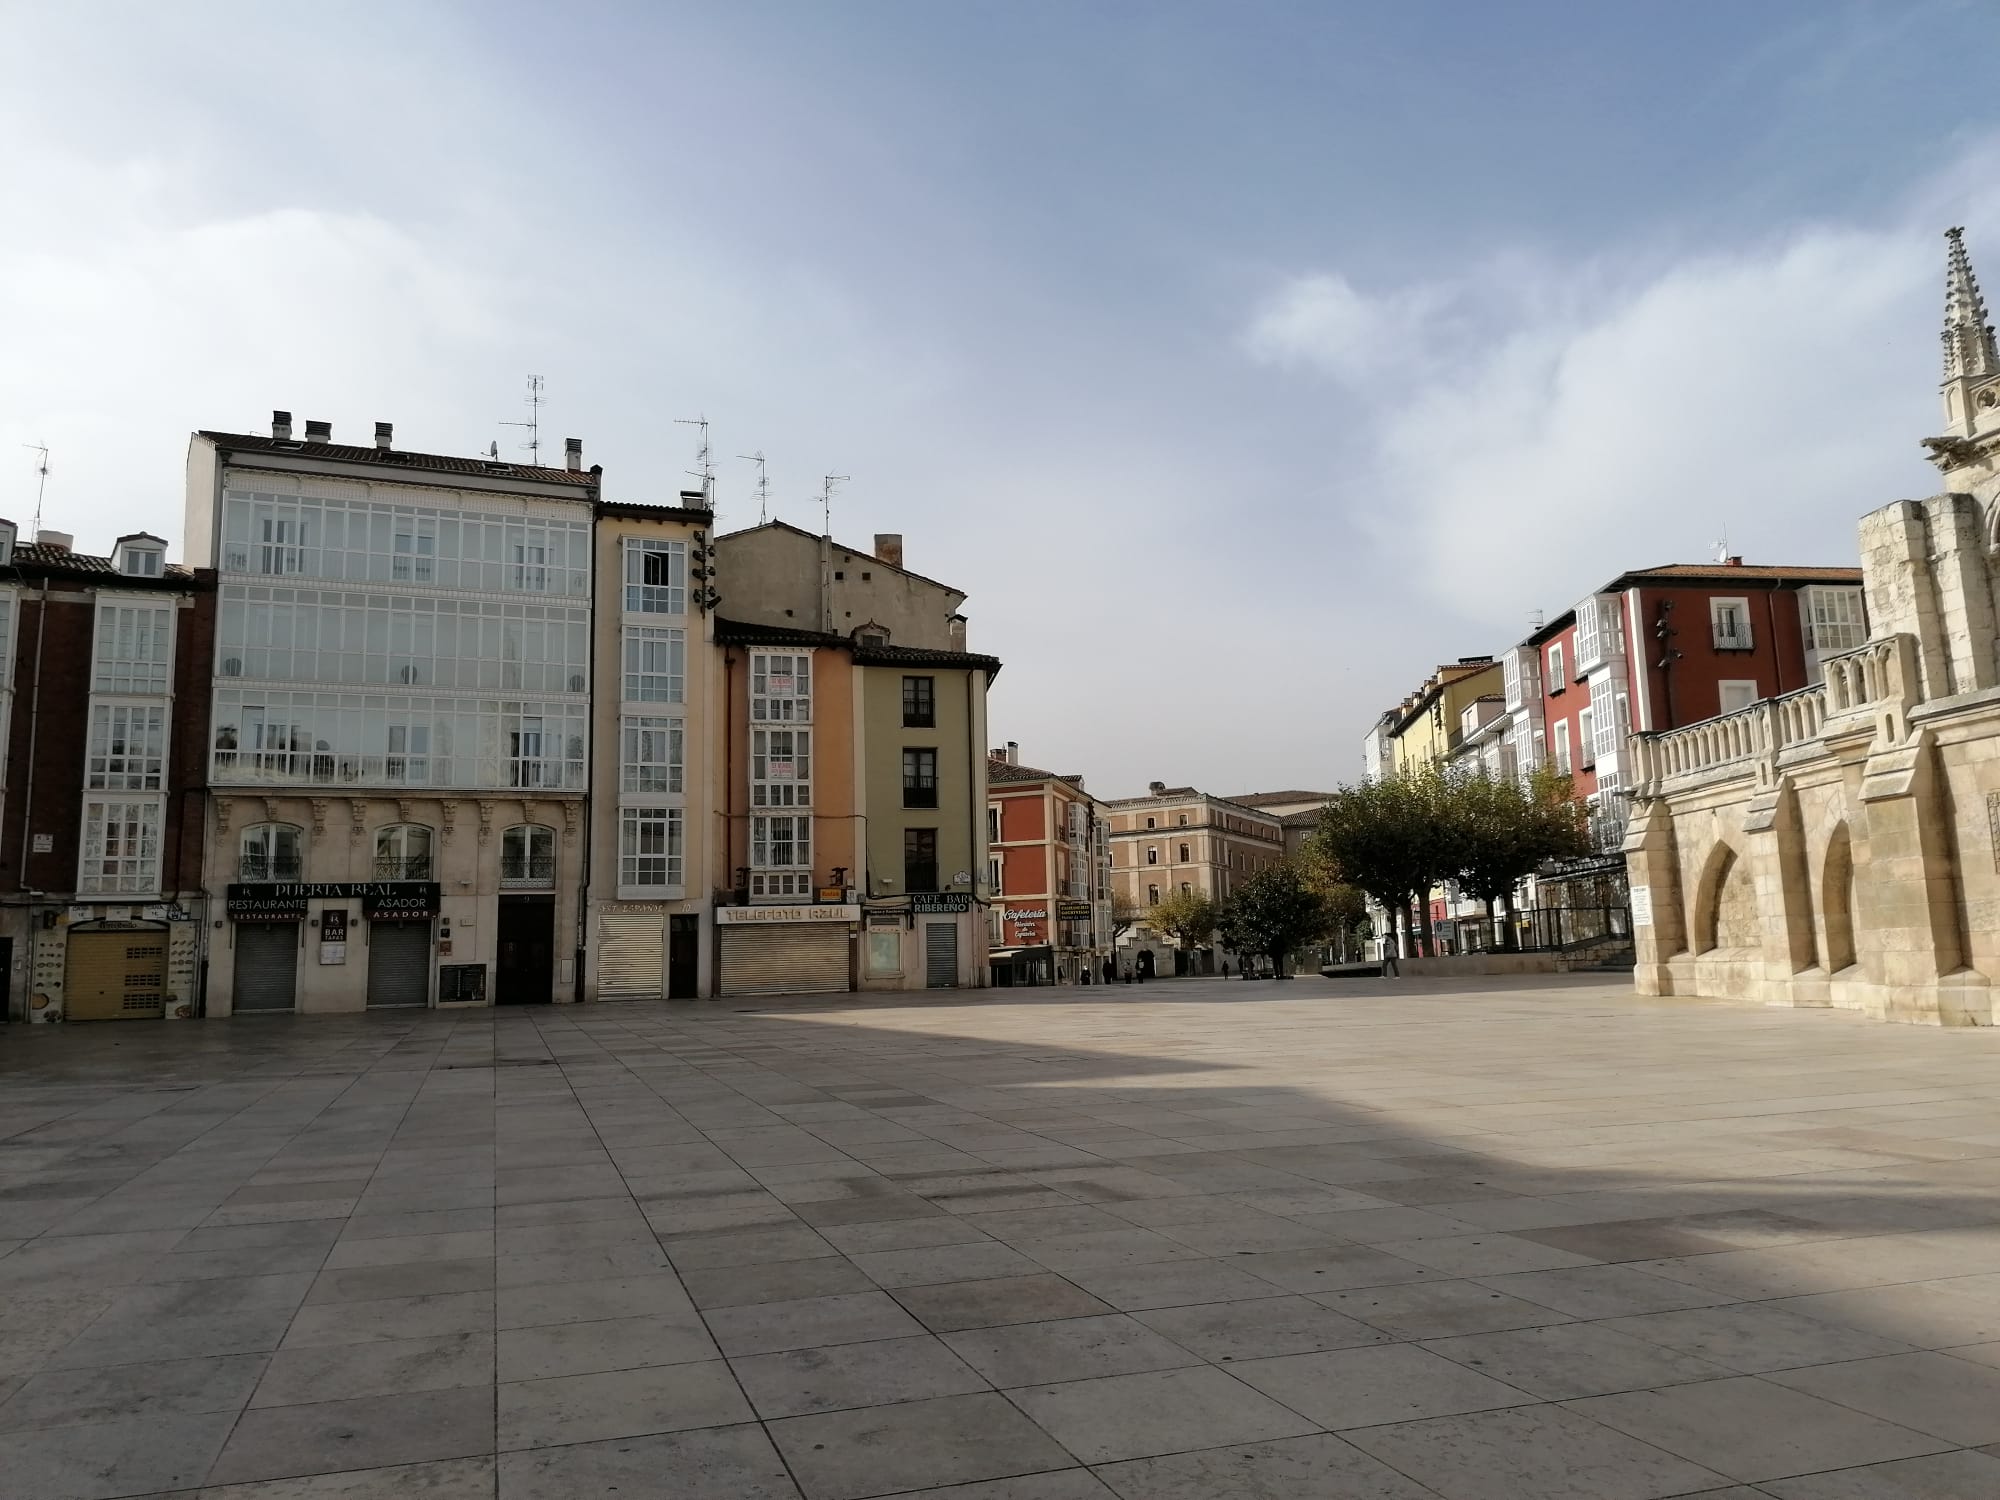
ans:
(1878, 676)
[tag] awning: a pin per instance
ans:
(997, 955)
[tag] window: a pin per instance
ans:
(1836, 620)
(1184, 853)
(780, 688)
(1152, 855)
(919, 703)
(1588, 649)
(1150, 823)
(649, 846)
(995, 871)
(527, 747)
(132, 648)
(531, 567)
(1733, 695)
(1152, 895)
(141, 562)
(655, 665)
(127, 750)
(352, 739)
(121, 849)
(920, 778)
(781, 843)
(781, 768)
(270, 851)
(1183, 820)
(655, 577)
(528, 855)
(1586, 738)
(403, 852)
(1730, 619)
(281, 545)
(408, 760)
(1557, 681)
(414, 559)
(1186, 888)
(1541, 750)
(651, 754)
(1562, 748)
(920, 866)
(992, 825)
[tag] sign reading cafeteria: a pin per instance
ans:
(732, 915)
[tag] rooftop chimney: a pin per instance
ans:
(1535, 619)
(573, 455)
(1733, 561)
(55, 541)
(1013, 752)
(385, 434)
(281, 426)
(1157, 788)
(318, 432)
(889, 548)
(956, 625)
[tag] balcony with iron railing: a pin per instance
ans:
(405, 867)
(266, 867)
(534, 872)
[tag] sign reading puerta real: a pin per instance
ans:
(381, 900)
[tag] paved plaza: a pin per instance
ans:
(1313, 1241)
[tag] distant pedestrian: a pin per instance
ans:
(1110, 971)
(1389, 969)
(1225, 968)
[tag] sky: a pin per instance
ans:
(1241, 361)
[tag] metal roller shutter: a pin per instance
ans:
(267, 966)
(802, 960)
(116, 976)
(631, 956)
(399, 963)
(941, 955)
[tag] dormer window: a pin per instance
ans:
(141, 556)
(6, 543)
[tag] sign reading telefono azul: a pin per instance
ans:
(730, 916)
(285, 901)
(940, 904)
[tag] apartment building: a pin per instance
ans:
(655, 850)
(1049, 869)
(104, 662)
(883, 710)
(399, 721)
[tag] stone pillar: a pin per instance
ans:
(1902, 595)
(1964, 589)
(1775, 835)
(1659, 922)
(1906, 893)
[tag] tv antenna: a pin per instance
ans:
(41, 482)
(534, 400)
(703, 456)
(763, 485)
(1722, 547)
(826, 484)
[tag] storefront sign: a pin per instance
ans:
(1073, 911)
(1027, 913)
(1642, 906)
(285, 901)
(333, 936)
(737, 915)
(940, 905)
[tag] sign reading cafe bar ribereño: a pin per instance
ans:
(381, 900)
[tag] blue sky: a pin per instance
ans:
(1241, 361)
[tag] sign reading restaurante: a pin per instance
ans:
(285, 901)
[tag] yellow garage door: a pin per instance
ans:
(116, 976)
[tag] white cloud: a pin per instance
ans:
(1599, 423)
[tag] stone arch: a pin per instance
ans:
(1715, 872)
(1836, 896)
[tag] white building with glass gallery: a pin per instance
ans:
(399, 729)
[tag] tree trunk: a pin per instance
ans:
(1427, 942)
(1509, 939)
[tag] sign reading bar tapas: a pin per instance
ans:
(285, 901)
(730, 916)
(940, 904)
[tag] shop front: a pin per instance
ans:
(297, 945)
(927, 941)
(786, 949)
(103, 962)
(648, 950)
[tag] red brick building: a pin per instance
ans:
(106, 664)
(1049, 855)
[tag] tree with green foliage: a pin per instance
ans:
(1188, 917)
(1381, 837)
(1276, 912)
(1507, 830)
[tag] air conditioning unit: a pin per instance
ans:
(232, 666)
(576, 682)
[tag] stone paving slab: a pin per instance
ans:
(1380, 1239)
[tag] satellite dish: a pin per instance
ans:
(492, 450)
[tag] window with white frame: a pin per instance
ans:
(992, 824)
(139, 560)
(414, 558)
(1586, 739)
(530, 763)
(649, 846)
(1735, 694)
(1510, 679)
(655, 576)
(1562, 747)
(1836, 620)
(1588, 647)
(655, 665)
(651, 755)
(781, 687)
(781, 856)
(1730, 621)
(128, 747)
(403, 852)
(781, 768)
(1557, 680)
(121, 849)
(528, 855)
(1607, 718)
(995, 870)
(132, 648)
(269, 851)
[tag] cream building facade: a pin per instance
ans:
(1840, 845)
